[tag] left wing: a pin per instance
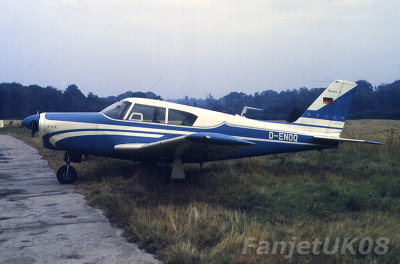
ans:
(194, 147)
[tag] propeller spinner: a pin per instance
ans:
(32, 123)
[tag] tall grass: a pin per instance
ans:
(353, 191)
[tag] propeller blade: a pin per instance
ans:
(34, 128)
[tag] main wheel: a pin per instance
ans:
(65, 178)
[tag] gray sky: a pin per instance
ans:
(198, 47)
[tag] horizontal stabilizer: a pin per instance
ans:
(329, 140)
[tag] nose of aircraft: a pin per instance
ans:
(27, 122)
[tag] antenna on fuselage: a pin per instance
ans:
(154, 86)
(156, 83)
(244, 111)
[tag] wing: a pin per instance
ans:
(195, 147)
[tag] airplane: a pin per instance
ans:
(142, 129)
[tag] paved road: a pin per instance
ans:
(42, 221)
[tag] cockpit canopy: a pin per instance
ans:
(125, 110)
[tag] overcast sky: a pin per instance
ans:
(198, 47)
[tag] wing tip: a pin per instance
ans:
(374, 142)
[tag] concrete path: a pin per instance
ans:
(42, 221)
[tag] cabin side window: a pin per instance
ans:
(147, 113)
(117, 110)
(177, 117)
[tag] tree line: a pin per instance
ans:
(381, 102)
(18, 101)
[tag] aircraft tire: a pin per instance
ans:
(63, 178)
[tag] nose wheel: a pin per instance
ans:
(66, 174)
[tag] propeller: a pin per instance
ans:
(32, 123)
(35, 124)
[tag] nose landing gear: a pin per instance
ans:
(66, 174)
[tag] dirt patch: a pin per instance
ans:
(38, 233)
(7, 192)
(69, 216)
(72, 256)
(20, 260)
(2, 149)
(51, 204)
(5, 176)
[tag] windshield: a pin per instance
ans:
(117, 110)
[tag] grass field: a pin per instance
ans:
(350, 192)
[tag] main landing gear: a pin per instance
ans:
(66, 174)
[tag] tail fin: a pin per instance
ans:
(329, 111)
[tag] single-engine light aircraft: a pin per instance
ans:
(153, 130)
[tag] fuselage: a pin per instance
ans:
(98, 133)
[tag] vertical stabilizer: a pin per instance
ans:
(327, 114)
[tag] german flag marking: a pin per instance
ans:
(327, 100)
